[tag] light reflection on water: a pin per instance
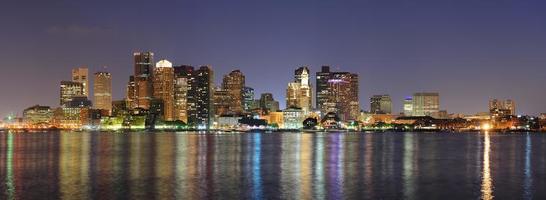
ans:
(271, 166)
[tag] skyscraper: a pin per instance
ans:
(248, 98)
(408, 106)
(268, 103)
(182, 90)
(81, 75)
(298, 93)
(69, 90)
(338, 92)
(233, 83)
(381, 104)
(202, 91)
(426, 104)
(222, 102)
(163, 87)
(143, 66)
(102, 88)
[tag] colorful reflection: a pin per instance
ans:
(65, 165)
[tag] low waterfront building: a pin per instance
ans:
(38, 116)
(293, 118)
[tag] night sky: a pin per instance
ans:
(469, 51)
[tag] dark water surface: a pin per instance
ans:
(272, 166)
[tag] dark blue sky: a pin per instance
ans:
(469, 51)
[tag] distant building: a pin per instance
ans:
(202, 91)
(182, 90)
(268, 103)
(81, 75)
(38, 115)
(234, 83)
(143, 69)
(248, 99)
(222, 102)
(381, 104)
(102, 88)
(502, 107)
(163, 87)
(69, 90)
(298, 93)
(76, 113)
(338, 92)
(426, 104)
(408, 106)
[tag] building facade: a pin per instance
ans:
(69, 90)
(381, 104)
(143, 72)
(81, 75)
(102, 91)
(202, 90)
(426, 104)
(298, 93)
(163, 87)
(234, 83)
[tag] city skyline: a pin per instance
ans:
(468, 60)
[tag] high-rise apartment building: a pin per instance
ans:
(234, 82)
(202, 91)
(426, 104)
(69, 90)
(298, 93)
(163, 87)
(182, 90)
(502, 107)
(102, 87)
(268, 103)
(222, 102)
(381, 104)
(81, 75)
(337, 92)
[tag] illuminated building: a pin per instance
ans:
(38, 115)
(163, 84)
(501, 108)
(337, 92)
(298, 93)
(276, 118)
(81, 75)
(408, 106)
(248, 99)
(426, 104)
(293, 118)
(381, 104)
(143, 69)
(102, 89)
(234, 82)
(182, 88)
(130, 96)
(69, 90)
(75, 113)
(119, 108)
(222, 102)
(268, 103)
(201, 114)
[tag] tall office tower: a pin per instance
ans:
(81, 75)
(248, 99)
(131, 93)
(203, 88)
(337, 92)
(268, 103)
(426, 104)
(69, 90)
(322, 87)
(222, 102)
(298, 93)
(234, 82)
(502, 107)
(408, 106)
(144, 67)
(102, 88)
(381, 104)
(182, 87)
(163, 84)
